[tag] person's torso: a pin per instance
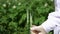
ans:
(57, 29)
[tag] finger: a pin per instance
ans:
(33, 32)
(36, 31)
(36, 28)
(32, 26)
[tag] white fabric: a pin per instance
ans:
(57, 30)
(57, 5)
(53, 20)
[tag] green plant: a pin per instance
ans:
(13, 14)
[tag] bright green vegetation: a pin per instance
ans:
(13, 14)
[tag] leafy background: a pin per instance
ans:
(13, 14)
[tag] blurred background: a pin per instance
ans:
(16, 16)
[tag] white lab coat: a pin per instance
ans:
(53, 21)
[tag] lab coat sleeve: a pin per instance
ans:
(53, 18)
(51, 22)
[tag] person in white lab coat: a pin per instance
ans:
(52, 23)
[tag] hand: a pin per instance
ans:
(37, 30)
(34, 30)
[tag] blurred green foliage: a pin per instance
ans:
(13, 19)
(40, 10)
(13, 14)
